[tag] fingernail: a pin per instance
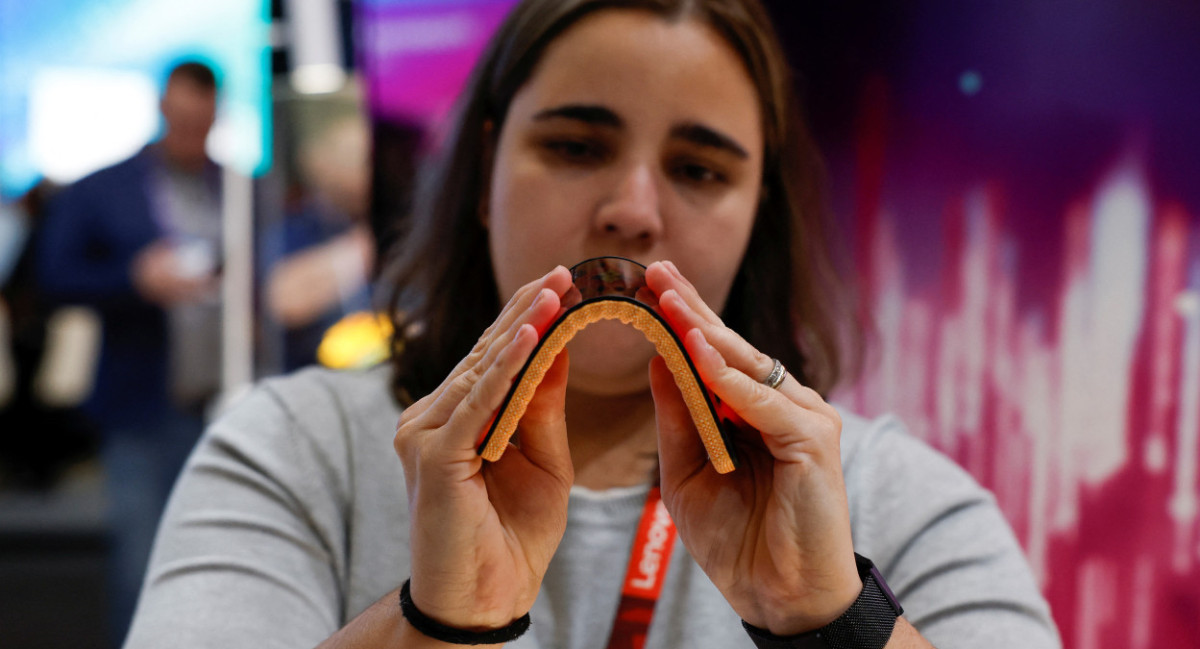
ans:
(671, 265)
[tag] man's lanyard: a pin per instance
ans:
(644, 577)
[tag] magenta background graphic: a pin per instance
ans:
(1020, 184)
(418, 53)
(1083, 419)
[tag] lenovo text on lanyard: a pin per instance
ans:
(644, 577)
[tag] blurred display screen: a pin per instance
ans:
(80, 79)
(416, 54)
(1020, 183)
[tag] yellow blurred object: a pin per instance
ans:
(359, 340)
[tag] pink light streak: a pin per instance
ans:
(1083, 415)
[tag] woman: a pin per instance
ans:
(657, 130)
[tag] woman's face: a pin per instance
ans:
(637, 137)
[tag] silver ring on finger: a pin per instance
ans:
(775, 378)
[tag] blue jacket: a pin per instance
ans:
(91, 234)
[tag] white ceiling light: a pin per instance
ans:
(315, 50)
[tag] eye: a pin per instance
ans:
(576, 151)
(699, 173)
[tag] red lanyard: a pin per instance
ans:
(644, 577)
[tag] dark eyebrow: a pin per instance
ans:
(589, 114)
(600, 116)
(707, 137)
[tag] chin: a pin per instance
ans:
(610, 358)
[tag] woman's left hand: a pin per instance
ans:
(774, 535)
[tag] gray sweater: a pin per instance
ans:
(291, 518)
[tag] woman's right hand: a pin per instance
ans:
(483, 533)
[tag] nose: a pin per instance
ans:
(631, 212)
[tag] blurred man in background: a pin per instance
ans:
(140, 242)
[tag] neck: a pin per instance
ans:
(179, 161)
(613, 439)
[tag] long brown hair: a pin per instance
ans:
(787, 299)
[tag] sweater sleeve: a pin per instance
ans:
(252, 550)
(942, 544)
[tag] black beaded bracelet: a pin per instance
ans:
(453, 635)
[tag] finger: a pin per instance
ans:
(412, 412)
(543, 309)
(539, 313)
(557, 280)
(528, 306)
(680, 303)
(663, 276)
(681, 453)
(484, 395)
(519, 301)
(542, 432)
(790, 431)
(807, 397)
(739, 353)
(736, 351)
(534, 304)
(647, 297)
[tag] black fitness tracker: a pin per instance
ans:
(867, 624)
